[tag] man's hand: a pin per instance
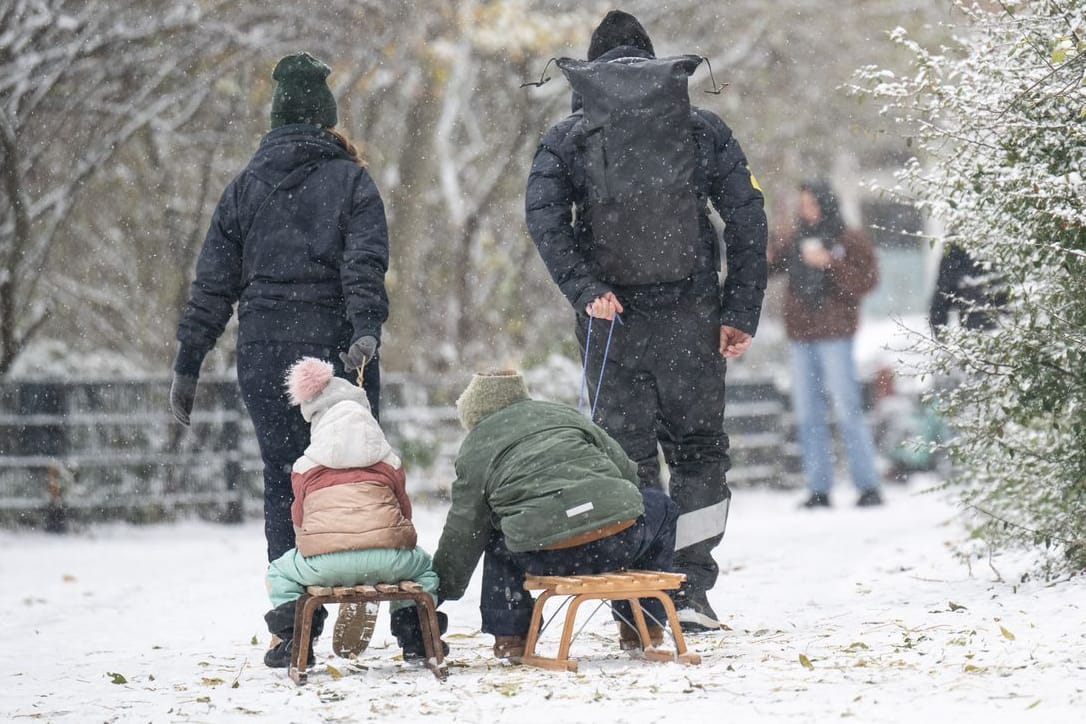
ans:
(182, 395)
(360, 353)
(604, 307)
(733, 342)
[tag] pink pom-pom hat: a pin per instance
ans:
(307, 378)
(313, 386)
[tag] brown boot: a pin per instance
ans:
(630, 640)
(509, 647)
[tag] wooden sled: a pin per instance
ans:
(620, 585)
(405, 590)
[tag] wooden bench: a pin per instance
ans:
(620, 585)
(405, 590)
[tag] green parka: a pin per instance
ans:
(541, 473)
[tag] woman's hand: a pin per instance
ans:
(361, 352)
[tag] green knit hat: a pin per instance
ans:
(487, 393)
(301, 93)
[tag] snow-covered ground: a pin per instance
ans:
(855, 614)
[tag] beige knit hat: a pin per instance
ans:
(487, 393)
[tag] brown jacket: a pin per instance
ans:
(852, 274)
(349, 487)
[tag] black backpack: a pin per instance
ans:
(640, 156)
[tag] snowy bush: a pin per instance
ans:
(998, 126)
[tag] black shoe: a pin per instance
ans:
(694, 612)
(278, 656)
(280, 622)
(869, 498)
(817, 500)
(413, 655)
(408, 633)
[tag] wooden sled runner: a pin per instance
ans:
(622, 585)
(405, 590)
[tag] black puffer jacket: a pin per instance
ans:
(556, 187)
(963, 284)
(299, 241)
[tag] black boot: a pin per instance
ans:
(869, 498)
(405, 625)
(817, 500)
(280, 622)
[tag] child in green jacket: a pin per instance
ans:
(541, 489)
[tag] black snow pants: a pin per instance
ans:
(664, 385)
(281, 431)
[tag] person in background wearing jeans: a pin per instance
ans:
(830, 268)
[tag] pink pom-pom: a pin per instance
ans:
(307, 378)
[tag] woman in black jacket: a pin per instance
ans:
(299, 242)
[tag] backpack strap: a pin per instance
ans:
(297, 176)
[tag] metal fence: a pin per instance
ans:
(110, 449)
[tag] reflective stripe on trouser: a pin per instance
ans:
(702, 524)
(704, 499)
(663, 387)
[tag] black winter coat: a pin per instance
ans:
(299, 242)
(963, 284)
(557, 189)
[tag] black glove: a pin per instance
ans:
(360, 353)
(182, 394)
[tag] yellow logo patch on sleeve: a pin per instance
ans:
(754, 181)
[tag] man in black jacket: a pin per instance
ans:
(664, 376)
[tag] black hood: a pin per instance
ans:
(290, 147)
(831, 224)
(619, 29)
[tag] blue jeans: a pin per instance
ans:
(824, 369)
(649, 544)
